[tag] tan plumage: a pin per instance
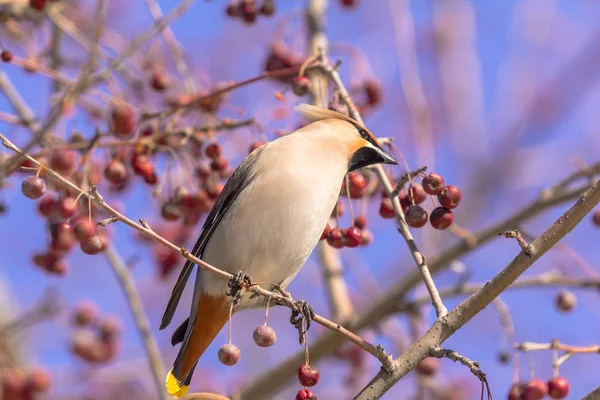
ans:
(267, 221)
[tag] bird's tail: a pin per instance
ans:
(212, 314)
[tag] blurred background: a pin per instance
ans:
(500, 98)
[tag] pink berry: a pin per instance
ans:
(66, 207)
(109, 328)
(92, 245)
(558, 387)
(308, 375)
(416, 216)
(535, 390)
(441, 218)
(115, 172)
(83, 228)
(305, 394)
(264, 336)
(433, 184)
(335, 238)
(450, 197)
(300, 86)
(229, 354)
(566, 301)
(123, 121)
(33, 187)
(352, 237)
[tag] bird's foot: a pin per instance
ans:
(303, 313)
(238, 285)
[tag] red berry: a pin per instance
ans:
(151, 179)
(13, 383)
(63, 162)
(335, 238)
(441, 218)
(358, 184)
(596, 217)
(171, 211)
(516, 392)
(66, 207)
(264, 336)
(450, 196)
(360, 222)
(233, 10)
(123, 121)
(63, 237)
(46, 206)
(308, 375)
(92, 245)
(352, 237)
(214, 191)
(37, 4)
(213, 151)
(373, 91)
(305, 394)
(109, 328)
(535, 390)
(33, 187)
(433, 184)
(160, 80)
(85, 314)
(51, 262)
(220, 164)
(301, 86)
(416, 216)
(428, 367)
(6, 55)
(38, 381)
(229, 354)
(566, 301)
(83, 228)
(386, 209)
(416, 194)
(325, 232)
(115, 172)
(558, 387)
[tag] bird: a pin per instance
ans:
(265, 223)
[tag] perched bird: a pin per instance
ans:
(266, 222)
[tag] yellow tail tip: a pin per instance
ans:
(175, 387)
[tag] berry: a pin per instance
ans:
(441, 218)
(308, 375)
(248, 11)
(51, 262)
(596, 217)
(123, 121)
(151, 179)
(352, 237)
(325, 232)
(38, 381)
(558, 387)
(159, 81)
(109, 328)
(267, 9)
(92, 245)
(85, 314)
(6, 55)
(373, 91)
(450, 196)
(37, 4)
(33, 187)
(504, 357)
(516, 392)
(213, 151)
(220, 164)
(360, 222)
(358, 184)
(63, 162)
(63, 237)
(367, 238)
(13, 383)
(66, 207)
(416, 194)
(428, 367)
(83, 228)
(335, 238)
(232, 10)
(386, 210)
(264, 336)
(229, 354)
(255, 145)
(565, 301)
(305, 394)
(115, 172)
(416, 216)
(535, 390)
(433, 184)
(171, 211)
(301, 86)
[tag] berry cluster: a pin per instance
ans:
(308, 377)
(441, 217)
(536, 389)
(95, 339)
(249, 11)
(18, 384)
(263, 336)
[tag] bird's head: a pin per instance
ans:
(345, 134)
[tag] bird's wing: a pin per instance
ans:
(238, 181)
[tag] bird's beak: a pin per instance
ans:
(369, 155)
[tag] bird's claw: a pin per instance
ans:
(303, 313)
(237, 286)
